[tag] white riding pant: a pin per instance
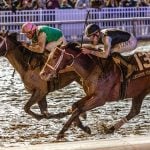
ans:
(53, 45)
(127, 46)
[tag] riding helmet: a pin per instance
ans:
(28, 26)
(91, 29)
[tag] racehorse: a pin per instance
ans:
(104, 85)
(28, 65)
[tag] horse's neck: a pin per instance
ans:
(80, 70)
(104, 68)
(66, 78)
(13, 59)
(86, 73)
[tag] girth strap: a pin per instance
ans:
(123, 85)
(53, 84)
(123, 88)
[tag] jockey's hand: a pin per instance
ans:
(85, 50)
(25, 44)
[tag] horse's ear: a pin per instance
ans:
(13, 36)
(6, 34)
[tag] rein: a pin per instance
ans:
(2, 43)
(60, 59)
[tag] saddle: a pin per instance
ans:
(140, 61)
(126, 65)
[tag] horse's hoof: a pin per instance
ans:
(40, 117)
(46, 115)
(69, 111)
(49, 116)
(87, 130)
(60, 136)
(84, 116)
(110, 130)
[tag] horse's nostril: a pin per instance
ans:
(42, 74)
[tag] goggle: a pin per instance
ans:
(93, 35)
(29, 32)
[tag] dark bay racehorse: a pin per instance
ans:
(19, 57)
(104, 85)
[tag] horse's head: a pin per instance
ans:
(5, 42)
(58, 59)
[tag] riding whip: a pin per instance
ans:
(85, 24)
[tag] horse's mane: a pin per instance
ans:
(84, 60)
(89, 61)
(74, 46)
(24, 55)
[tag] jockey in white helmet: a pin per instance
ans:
(114, 40)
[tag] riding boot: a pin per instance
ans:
(130, 68)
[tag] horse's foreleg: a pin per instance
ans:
(36, 97)
(83, 105)
(75, 114)
(74, 118)
(43, 106)
(79, 124)
(135, 110)
(77, 121)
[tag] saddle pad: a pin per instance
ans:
(142, 62)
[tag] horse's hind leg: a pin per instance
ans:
(135, 110)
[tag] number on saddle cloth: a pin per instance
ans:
(142, 62)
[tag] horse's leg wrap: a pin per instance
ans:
(120, 123)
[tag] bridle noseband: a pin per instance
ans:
(2, 43)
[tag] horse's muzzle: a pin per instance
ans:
(47, 75)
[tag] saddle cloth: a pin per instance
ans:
(141, 60)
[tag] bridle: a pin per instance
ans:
(2, 43)
(60, 59)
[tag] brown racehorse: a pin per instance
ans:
(104, 85)
(28, 65)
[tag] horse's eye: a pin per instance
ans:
(55, 57)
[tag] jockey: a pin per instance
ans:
(43, 37)
(114, 40)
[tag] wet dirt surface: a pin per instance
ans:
(18, 128)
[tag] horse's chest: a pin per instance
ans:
(32, 81)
